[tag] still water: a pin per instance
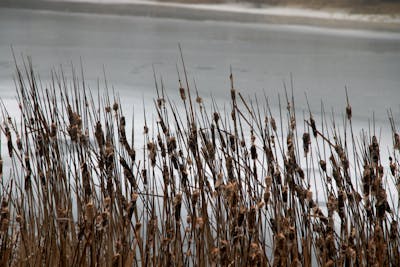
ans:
(321, 61)
(262, 57)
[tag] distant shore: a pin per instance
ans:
(376, 7)
(212, 12)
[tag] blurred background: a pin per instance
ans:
(315, 47)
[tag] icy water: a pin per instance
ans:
(322, 61)
(263, 58)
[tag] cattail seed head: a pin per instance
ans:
(393, 230)
(89, 213)
(182, 93)
(393, 166)
(219, 181)
(199, 223)
(19, 142)
(216, 117)
(233, 94)
(348, 111)
(273, 124)
(267, 196)
(195, 196)
(178, 199)
(313, 127)
(268, 181)
(322, 163)
(115, 106)
(4, 224)
(306, 142)
(107, 202)
(253, 152)
(396, 138)
(215, 255)
(309, 195)
(292, 123)
(329, 263)
(19, 219)
(285, 194)
(160, 102)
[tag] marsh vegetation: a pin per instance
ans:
(232, 186)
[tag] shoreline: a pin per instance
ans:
(208, 12)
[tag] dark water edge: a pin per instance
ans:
(137, 9)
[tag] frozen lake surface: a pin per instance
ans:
(322, 61)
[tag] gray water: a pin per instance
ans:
(321, 61)
(263, 57)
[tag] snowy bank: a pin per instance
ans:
(264, 10)
(240, 12)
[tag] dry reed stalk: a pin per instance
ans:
(79, 193)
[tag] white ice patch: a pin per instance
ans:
(336, 14)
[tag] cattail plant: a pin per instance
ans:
(243, 187)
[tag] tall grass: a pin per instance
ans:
(242, 187)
